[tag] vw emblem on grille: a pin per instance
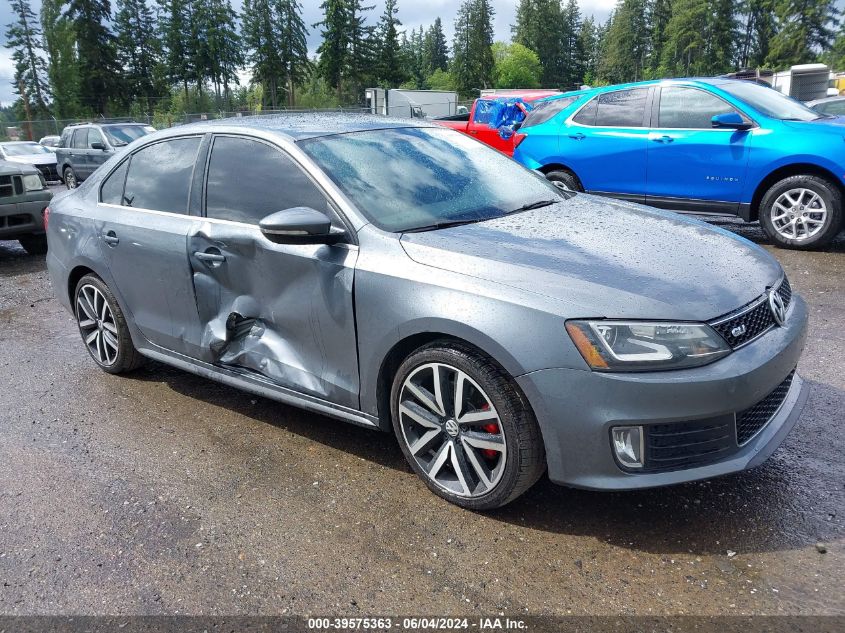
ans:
(777, 306)
(739, 330)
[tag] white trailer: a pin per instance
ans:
(417, 104)
(804, 82)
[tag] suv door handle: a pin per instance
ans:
(662, 139)
(212, 258)
(111, 238)
(578, 136)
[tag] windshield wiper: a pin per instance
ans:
(538, 204)
(445, 224)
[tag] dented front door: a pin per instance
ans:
(282, 311)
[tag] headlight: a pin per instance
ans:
(33, 182)
(644, 346)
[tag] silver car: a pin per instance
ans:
(404, 277)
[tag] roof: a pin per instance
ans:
(525, 95)
(825, 100)
(299, 126)
(713, 81)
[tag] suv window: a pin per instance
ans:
(94, 136)
(587, 114)
(159, 175)
(546, 110)
(112, 190)
(271, 182)
(80, 138)
(65, 140)
(689, 108)
(831, 107)
(622, 108)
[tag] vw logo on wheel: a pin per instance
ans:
(777, 306)
(451, 427)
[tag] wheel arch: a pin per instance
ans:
(785, 171)
(547, 169)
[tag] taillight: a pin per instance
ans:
(517, 139)
(46, 215)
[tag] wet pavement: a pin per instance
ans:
(163, 493)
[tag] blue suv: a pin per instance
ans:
(712, 146)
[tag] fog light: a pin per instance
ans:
(628, 445)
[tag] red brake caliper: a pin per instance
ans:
(491, 428)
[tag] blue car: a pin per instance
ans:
(713, 146)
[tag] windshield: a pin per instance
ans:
(25, 149)
(769, 101)
(407, 178)
(125, 134)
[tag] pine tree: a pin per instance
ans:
(683, 52)
(175, 24)
(588, 39)
(138, 51)
(573, 53)
(98, 71)
(758, 30)
(721, 37)
(259, 36)
(660, 12)
(333, 50)
(804, 29)
(627, 43)
(541, 26)
(62, 68)
(294, 49)
(228, 49)
(435, 49)
(23, 37)
(389, 56)
(362, 53)
(472, 63)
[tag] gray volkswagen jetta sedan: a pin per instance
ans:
(404, 277)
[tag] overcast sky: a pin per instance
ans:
(412, 14)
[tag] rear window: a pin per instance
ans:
(623, 108)
(547, 110)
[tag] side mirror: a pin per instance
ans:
(98, 145)
(730, 120)
(299, 225)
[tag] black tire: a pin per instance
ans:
(829, 194)
(34, 244)
(566, 178)
(127, 358)
(525, 458)
(69, 178)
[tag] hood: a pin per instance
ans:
(605, 258)
(34, 159)
(8, 168)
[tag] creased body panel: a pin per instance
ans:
(283, 311)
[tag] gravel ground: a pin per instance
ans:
(163, 493)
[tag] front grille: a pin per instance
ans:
(752, 420)
(687, 444)
(752, 320)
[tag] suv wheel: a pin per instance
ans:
(34, 244)
(802, 212)
(565, 178)
(70, 178)
(103, 327)
(464, 426)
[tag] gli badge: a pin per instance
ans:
(777, 306)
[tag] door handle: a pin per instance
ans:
(577, 136)
(213, 258)
(111, 238)
(473, 131)
(662, 139)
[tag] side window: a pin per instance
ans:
(159, 175)
(547, 110)
(689, 108)
(112, 190)
(80, 138)
(65, 140)
(248, 180)
(587, 114)
(94, 136)
(623, 108)
(832, 107)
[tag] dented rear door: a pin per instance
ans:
(284, 312)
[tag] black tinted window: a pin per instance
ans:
(587, 114)
(80, 138)
(623, 108)
(546, 111)
(112, 190)
(832, 107)
(248, 180)
(160, 175)
(689, 108)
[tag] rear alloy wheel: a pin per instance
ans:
(70, 178)
(465, 428)
(103, 327)
(802, 212)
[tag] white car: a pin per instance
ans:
(31, 153)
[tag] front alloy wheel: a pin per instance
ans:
(70, 179)
(799, 214)
(803, 212)
(465, 427)
(452, 430)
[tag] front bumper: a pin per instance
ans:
(18, 219)
(577, 408)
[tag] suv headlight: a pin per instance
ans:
(645, 345)
(33, 182)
